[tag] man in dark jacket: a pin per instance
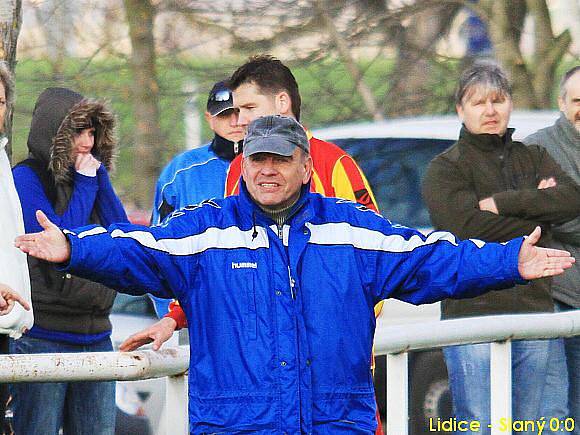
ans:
(71, 145)
(562, 140)
(490, 187)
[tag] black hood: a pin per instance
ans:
(58, 114)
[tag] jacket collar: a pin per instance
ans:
(568, 129)
(251, 213)
(225, 149)
(486, 142)
(3, 142)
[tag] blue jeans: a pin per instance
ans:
(80, 408)
(469, 379)
(562, 390)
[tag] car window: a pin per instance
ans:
(395, 169)
(133, 305)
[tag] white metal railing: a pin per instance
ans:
(396, 341)
(393, 341)
(105, 366)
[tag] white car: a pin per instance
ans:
(394, 155)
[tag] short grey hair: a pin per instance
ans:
(486, 74)
(7, 80)
(565, 79)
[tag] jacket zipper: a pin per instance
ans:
(292, 282)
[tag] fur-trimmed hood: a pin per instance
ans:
(59, 113)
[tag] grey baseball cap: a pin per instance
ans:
(276, 135)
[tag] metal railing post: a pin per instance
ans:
(176, 399)
(501, 386)
(398, 393)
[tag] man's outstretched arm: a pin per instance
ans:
(126, 257)
(440, 266)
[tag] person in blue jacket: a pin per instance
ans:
(200, 173)
(279, 284)
(71, 147)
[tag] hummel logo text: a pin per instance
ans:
(244, 265)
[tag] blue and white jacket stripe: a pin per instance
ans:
(281, 329)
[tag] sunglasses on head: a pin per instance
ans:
(223, 95)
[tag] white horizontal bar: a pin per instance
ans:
(94, 366)
(429, 335)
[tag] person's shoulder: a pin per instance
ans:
(188, 160)
(326, 148)
(208, 213)
(190, 157)
(338, 209)
(542, 136)
(531, 148)
(451, 155)
(25, 169)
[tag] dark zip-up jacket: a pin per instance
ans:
(481, 166)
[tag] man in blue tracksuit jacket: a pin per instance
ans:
(279, 284)
(200, 173)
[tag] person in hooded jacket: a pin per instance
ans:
(71, 146)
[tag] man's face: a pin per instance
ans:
(275, 181)
(226, 125)
(252, 104)
(483, 111)
(2, 106)
(570, 104)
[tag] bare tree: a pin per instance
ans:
(10, 22)
(532, 78)
(149, 141)
(323, 8)
(412, 78)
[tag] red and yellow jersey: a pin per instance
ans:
(334, 173)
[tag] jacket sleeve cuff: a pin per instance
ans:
(512, 256)
(507, 203)
(67, 265)
(176, 313)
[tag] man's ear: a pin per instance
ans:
(561, 104)
(243, 167)
(308, 170)
(208, 117)
(459, 111)
(283, 104)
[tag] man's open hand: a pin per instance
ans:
(50, 244)
(535, 262)
(157, 333)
